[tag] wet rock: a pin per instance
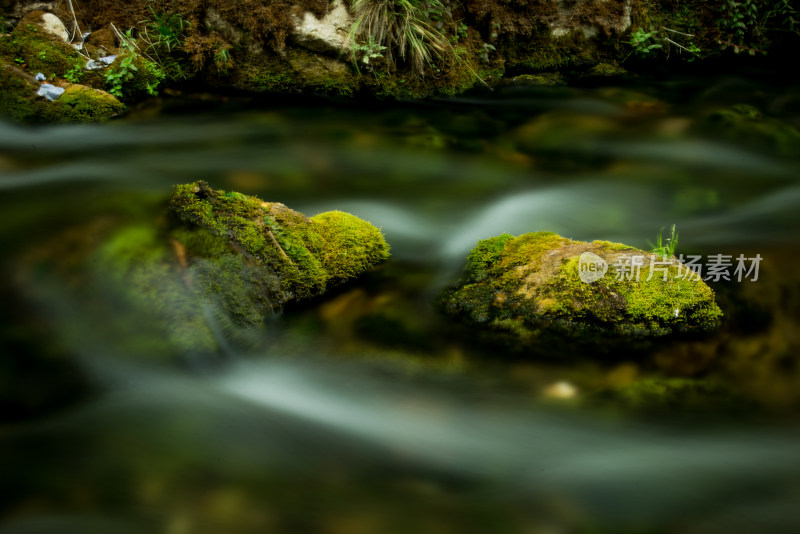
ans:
(40, 77)
(541, 282)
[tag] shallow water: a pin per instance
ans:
(366, 411)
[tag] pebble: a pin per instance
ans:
(50, 92)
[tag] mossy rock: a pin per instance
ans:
(746, 124)
(38, 50)
(222, 265)
(534, 284)
(78, 103)
(307, 254)
(545, 79)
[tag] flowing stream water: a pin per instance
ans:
(366, 410)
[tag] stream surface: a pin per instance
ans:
(366, 410)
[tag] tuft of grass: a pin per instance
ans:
(165, 35)
(665, 247)
(165, 31)
(403, 28)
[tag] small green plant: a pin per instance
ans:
(165, 35)
(369, 51)
(739, 22)
(460, 32)
(74, 74)
(495, 29)
(165, 32)
(781, 16)
(644, 42)
(125, 68)
(42, 55)
(745, 25)
(116, 78)
(485, 49)
(19, 61)
(665, 248)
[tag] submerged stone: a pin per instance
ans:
(745, 124)
(541, 282)
(223, 264)
(673, 397)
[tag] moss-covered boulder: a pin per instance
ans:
(224, 262)
(304, 255)
(38, 49)
(543, 283)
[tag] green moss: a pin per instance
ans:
(18, 97)
(295, 70)
(139, 80)
(136, 266)
(18, 100)
(305, 255)
(520, 250)
(221, 265)
(484, 256)
(39, 51)
(612, 246)
(84, 104)
(606, 70)
(532, 282)
(547, 53)
(546, 79)
(347, 245)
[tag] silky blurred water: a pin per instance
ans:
(366, 411)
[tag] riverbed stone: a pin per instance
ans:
(542, 282)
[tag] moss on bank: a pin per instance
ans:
(78, 103)
(255, 47)
(532, 283)
(29, 50)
